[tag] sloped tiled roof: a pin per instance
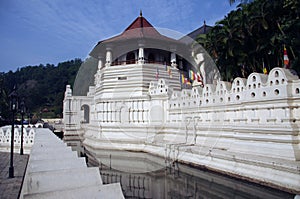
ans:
(139, 28)
(202, 30)
(192, 36)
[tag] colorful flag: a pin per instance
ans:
(265, 71)
(199, 78)
(191, 75)
(285, 58)
(182, 79)
(187, 81)
(157, 73)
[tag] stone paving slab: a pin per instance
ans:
(10, 187)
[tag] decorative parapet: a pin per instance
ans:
(28, 138)
(279, 84)
(160, 88)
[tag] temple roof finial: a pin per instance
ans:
(141, 14)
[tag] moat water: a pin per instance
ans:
(145, 176)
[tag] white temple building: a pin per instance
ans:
(247, 128)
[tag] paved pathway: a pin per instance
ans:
(11, 187)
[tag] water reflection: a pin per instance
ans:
(145, 176)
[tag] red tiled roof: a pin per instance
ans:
(139, 22)
(139, 28)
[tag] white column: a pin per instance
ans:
(108, 57)
(141, 59)
(100, 63)
(98, 74)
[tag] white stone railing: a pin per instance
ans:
(28, 138)
(267, 99)
(280, 83)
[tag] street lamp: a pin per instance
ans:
(13, 97)
(22, 111)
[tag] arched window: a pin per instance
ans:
(130, 58)
(151, 58)
(86, 113)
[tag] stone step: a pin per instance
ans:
(55, 164)
(58, 156)
(47, 181)
(109, 191)
(43, 150)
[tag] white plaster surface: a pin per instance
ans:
(64, 177)
(248, 127)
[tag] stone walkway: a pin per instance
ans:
(10, 187)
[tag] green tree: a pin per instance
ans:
(253, 34)
(43, 86)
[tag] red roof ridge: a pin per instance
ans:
(139, 22)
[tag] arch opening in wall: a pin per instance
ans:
(86, 113)
(130, 58)
(297, 90)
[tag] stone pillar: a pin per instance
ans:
(98, 74)
(100, 63)
(141, 59)
(108, 57)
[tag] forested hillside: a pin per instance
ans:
(42, 86)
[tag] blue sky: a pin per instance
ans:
(37, 32)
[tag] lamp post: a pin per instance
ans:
(22, 111)
(13, 96)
